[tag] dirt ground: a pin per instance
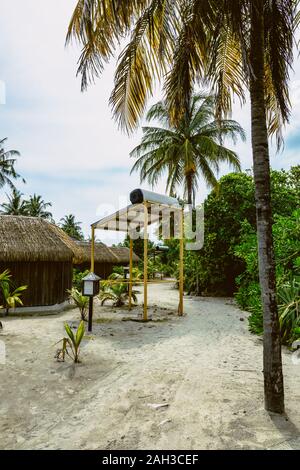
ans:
(204, 368)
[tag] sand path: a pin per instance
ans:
(205, 367)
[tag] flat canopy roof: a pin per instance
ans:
(133, 216)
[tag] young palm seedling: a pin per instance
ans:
(71, 344)
(12, 297)
(116, 291)
(80, 301)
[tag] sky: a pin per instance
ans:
(72, 152)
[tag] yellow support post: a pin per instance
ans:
(145, 262)
(130, 270)
(93, 250)
(181, 255)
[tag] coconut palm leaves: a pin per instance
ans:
(7, 166)
(188, 150)
(191, 40)
(71, 344)
(11, 294)
(35, 206)
(72, 227)
(15, 205)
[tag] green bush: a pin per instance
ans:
(286, 231)
(77, 278)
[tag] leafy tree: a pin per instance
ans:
(77, 278)
(15, 204)
(187, 150)
(138, 245)
(232, 45)
(7, 166)
(286, 231)
(37, 207)
(71, 227)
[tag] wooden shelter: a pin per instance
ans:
(147, 208)
(105, 258)
(40, 255)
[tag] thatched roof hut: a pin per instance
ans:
(105, 258)
(38, 254)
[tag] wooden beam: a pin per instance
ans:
(181, 260)
(93, 250)
(130, 270)
(145, 317)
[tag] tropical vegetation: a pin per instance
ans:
(8, 160)
(15, 204)
(233, 46)
(73, 228)
(228, 262)
(10, 295)
(35, 206)
(116, 290)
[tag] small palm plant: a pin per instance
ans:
(11, 297)
(71, 344)
(80, 301)
(116, 291)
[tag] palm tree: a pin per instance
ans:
(7, 166)
(71, 227)
(184, 151)
(233, 45)
(15, 204)
(37, 207)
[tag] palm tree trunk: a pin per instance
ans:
(273, 379)
(189, 188)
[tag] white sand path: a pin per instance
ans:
(205, 366)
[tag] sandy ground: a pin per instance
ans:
(205, 368)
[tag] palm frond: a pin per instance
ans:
(142, 62)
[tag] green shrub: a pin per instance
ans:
(77, 278)
(289, 309)
(286, 230)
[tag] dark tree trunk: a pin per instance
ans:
(273, 379)
(189, 188)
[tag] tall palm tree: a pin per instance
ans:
(7, 166)
(185, 151)
(37, 207)
(232, 44)
(15, 204)
(71, 227)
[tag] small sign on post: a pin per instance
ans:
(91, 288)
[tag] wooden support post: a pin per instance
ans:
(145, 318)
(130, 270)
(90, 323)
(181, 256)
(93, 250)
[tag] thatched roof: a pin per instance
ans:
(122, 254)
(104, 254)
(34, 239)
